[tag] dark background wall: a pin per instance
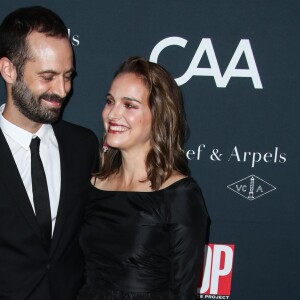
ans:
(243, 146)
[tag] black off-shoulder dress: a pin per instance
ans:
(144, 245)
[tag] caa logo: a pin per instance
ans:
(217, 272)
(206, 46)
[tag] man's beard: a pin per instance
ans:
(30, 105)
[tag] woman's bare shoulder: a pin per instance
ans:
(176, 176)
(98, 183)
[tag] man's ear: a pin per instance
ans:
(8, 70)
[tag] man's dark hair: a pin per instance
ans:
(19, 24)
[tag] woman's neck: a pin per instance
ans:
(132, 174)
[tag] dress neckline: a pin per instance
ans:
(171, 186)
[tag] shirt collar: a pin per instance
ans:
(21, 136)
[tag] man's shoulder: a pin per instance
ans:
(71, 130)
(67, 126)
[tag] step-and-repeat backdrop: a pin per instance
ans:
(238, 65)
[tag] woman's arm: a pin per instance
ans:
(188, 232)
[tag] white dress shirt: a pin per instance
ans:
(19, 140)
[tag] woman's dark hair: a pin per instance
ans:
(19, 24)
(169, 126)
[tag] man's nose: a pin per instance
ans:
(61, 87)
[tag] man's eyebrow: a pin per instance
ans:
(50, 71)
(72, 70)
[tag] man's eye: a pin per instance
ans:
(47, 78)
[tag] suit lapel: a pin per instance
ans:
(12, 180)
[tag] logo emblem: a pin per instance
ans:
(251, 187)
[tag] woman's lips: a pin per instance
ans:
(114, 128)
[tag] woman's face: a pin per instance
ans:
(127, 117)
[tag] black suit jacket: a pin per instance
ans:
(27, 270)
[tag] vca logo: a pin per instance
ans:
(206, 46)
(251, 187)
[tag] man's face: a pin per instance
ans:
(46, 81)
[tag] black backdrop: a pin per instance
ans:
(241, 62)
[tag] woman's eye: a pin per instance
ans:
(129, 105)
(108, 101)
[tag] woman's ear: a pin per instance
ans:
(8, 70)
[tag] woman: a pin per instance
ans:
(146, 223)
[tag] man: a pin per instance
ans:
(41, 204)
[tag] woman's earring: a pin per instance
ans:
(105, 147)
